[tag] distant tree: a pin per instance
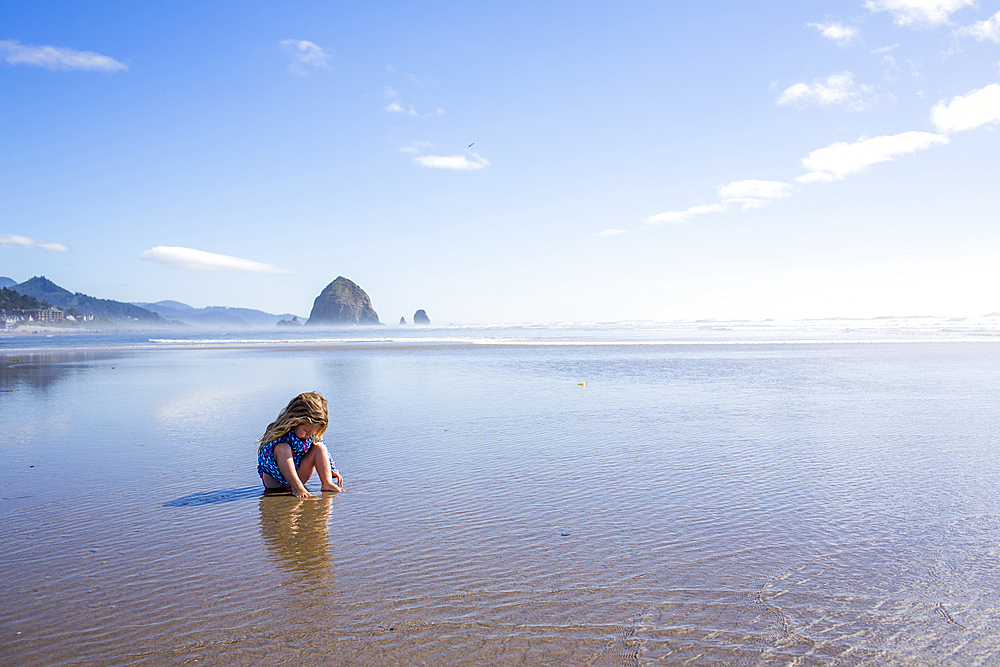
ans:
(41, 287)
(11, 300)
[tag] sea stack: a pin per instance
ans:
(420, 317)
(402, 321)
(342, 303)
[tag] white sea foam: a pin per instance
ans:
(884, 330)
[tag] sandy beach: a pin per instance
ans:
(769, 504)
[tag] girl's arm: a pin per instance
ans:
(286, 465)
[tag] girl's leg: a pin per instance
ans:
(286, 466)
(318, 459)
(271, 483)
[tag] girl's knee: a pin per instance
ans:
(316, 454)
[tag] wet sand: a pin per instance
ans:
(770, 505)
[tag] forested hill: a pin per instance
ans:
(42, 288)
(11, 300)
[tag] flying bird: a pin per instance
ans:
(471, 145)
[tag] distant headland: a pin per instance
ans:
(39, 302)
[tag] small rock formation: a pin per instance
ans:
(402, 321)
(341, 303)
(295, 321)
(420, 317)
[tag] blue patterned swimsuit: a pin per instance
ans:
(265, 459)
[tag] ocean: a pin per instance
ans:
(731, 493)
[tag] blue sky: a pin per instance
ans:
(508, 163)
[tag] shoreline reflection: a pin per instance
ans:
(296, 532)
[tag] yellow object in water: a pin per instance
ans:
(582, 384)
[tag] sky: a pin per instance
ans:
(508, 162)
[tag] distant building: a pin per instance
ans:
(9, 319)
(45, 315)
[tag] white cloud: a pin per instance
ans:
(395, 106)
(835, 89)
(980, 30)
(25, 242)
(918, 12)
(199, 260)
(752, 193)
(837, 161)
(885, 49)
(749, 193)
(838, 32)
(611, 232)
(305, 53)
(755, 189)
(457, 162)
(969, 111)
(415, 146)
(53, 57)
(677, 217)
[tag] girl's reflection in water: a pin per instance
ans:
(297, 534)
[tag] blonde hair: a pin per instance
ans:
(307, 408)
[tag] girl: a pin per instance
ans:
(291, 448)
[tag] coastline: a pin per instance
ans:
(650, 334)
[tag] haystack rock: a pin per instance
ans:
(420, 317)
(341, 303)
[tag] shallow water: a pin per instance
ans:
(754, 504)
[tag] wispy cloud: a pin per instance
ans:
(752, 193)
(305, 54)
(918, 13)
(839, 160)
(968, 112)
(13, 52)
(835, 89)
(395, 106)
(456, 162)
(885, 49)
(611, 232)
(199, 260)
(983, 30)
(412, 77)
(838, 32)
(678, 217)
(749, 193)
(25, 242)
(889, 68)
(415, 147)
